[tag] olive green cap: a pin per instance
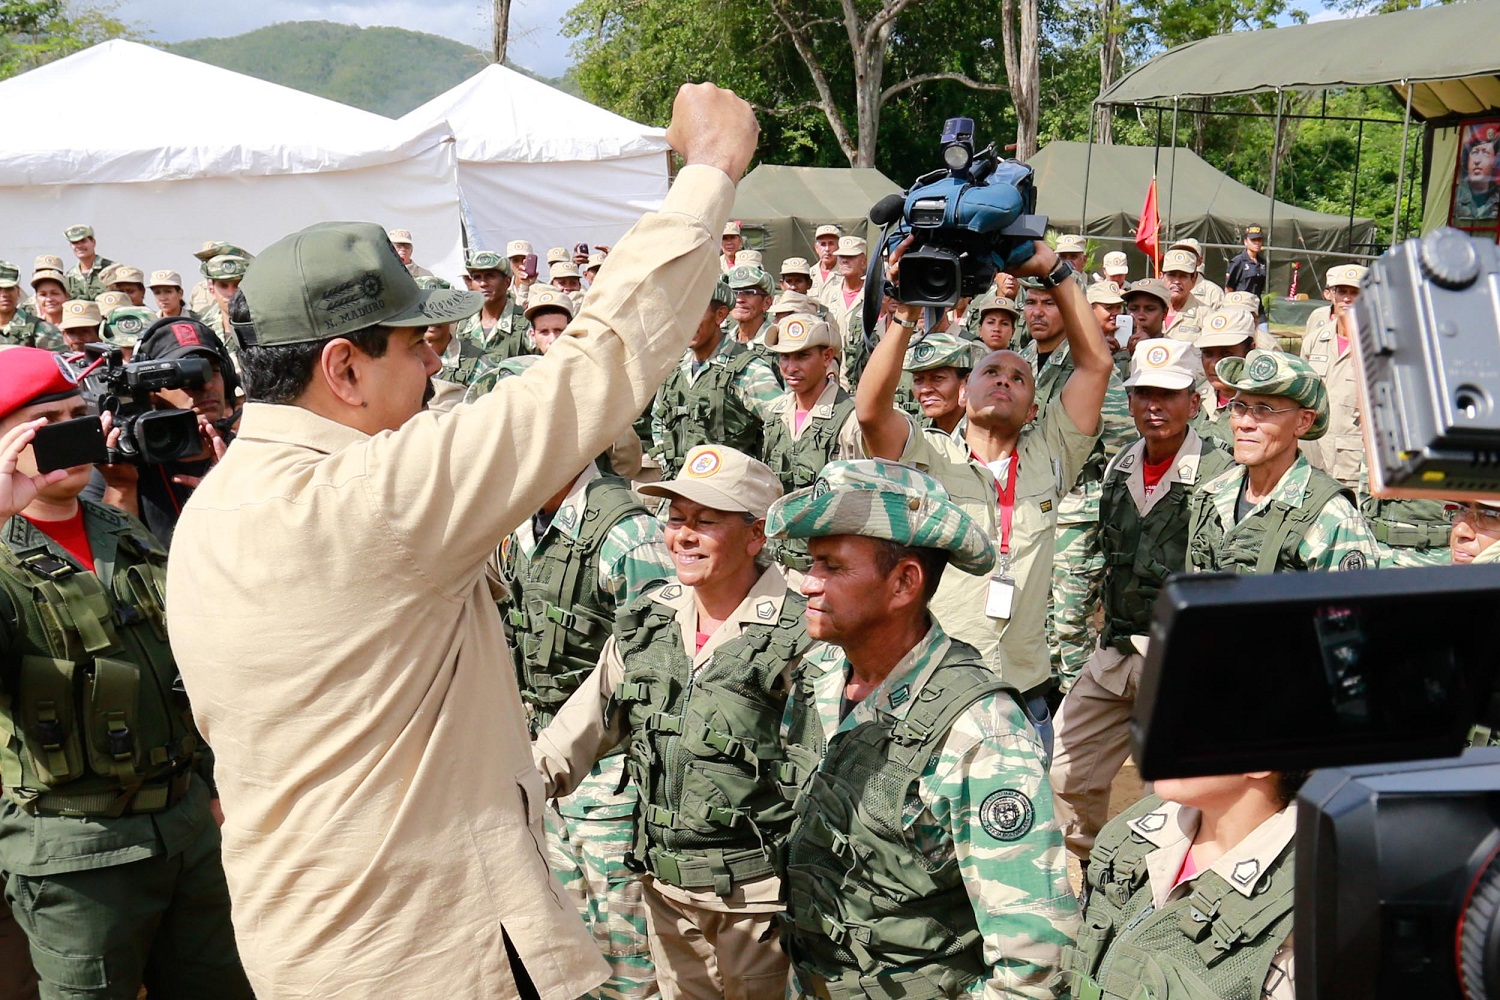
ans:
(336, 278)
(487, 260)
(939, 350)
(1277, 373)
(880, 499)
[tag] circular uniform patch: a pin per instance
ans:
(1354, 560)
(1264, 369)
(1157, 356)
(795, 329)
(1007, 814)
(1218, 322)
(706, 464)
(922, 352)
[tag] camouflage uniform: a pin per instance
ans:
(509, 337)
(589, 831)
(981, 902)
(26, 330)
(1407, 532)
(87, 284)
(1077, 562)
(753, 390)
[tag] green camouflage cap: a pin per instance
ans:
(126, 325)
(938, 350)
(430, 282)
(76, 233)
(880, 499)
(334, 279)
(10, 275)
(746, 276)
(723, 295)
(1277, 373)
(215, 248)
(225, 267)
(487, 260)
(515, 366)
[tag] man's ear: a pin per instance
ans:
(336, 364)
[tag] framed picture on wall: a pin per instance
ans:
(1476, 182)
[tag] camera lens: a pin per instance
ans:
(166, 435)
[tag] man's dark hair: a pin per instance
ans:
(932, 561)
(279, 373)
(1288, 784)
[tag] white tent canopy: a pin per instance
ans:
(539, 165)
(247, 162)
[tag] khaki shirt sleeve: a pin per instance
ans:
(1066, 444)
(451, 486)
(581, 732)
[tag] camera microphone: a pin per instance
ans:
(888, 209)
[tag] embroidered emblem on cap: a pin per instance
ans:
(1264, 369)
(1244, 873)
(1157, 356)
(128, 325)
(795, 329)
(706, 464)
(922, 352)
(1218, 322)
(77, 308)
(1007, 814)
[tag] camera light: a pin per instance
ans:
(957, 156)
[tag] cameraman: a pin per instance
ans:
(155, 493)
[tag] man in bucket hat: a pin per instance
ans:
(899, 720)
(1273, 511)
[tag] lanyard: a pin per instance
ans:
(1006, 494)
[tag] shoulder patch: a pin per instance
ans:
(1151, 822)
(898, 697)
(1007, 815)
(822, 411)
(766, 610)
(670, 592)
(1354, 560)
(1046, 506)
(1245, 872)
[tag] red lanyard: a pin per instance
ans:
(1006, 494)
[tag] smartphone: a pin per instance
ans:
(68, 443)
(581, 250)
(529, 266)
(1124, 327)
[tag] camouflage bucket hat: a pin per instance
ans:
(126, 325)
(723, 295)
(76, 233)
(938, 350)
(747, 276)
(880, 499)
(430, 282)
(1276, 373)
(335, 278)
(487, 260)
(225, 267)
(215, 248)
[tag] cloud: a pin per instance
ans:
(537, 40)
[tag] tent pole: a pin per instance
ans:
(1359, 146)
(1401, 173)
(1088, 163)
(1275, 161)
(1172, 174)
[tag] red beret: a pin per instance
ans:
(30, 375)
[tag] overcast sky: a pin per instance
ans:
(536, 39)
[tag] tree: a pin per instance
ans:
(35, 32)
(1022, 42)
(501, 33)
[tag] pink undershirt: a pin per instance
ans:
(800, 418)
(1188, 870)
(702, 639)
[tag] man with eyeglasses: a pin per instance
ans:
(1476, 529)
(1273, 511)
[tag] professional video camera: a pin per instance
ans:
(148, 436)
(967, 220)
(1372, 676)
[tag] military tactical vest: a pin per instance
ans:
(706, 745)
(97, 723)
(706, 410)
(797, 461)
(1407, 524)
(1212, 944)
(865, 914)
(465, 367)
(1267, 541)
(559, 617)
(1140, 551)
(505, 340)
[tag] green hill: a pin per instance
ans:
(388, 71)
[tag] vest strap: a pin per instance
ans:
(1410, 536)
(152, 798)
(714, 869)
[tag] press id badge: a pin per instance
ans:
(1002, 594)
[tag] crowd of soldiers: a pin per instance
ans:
(827, 662)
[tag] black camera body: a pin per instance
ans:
(148, 436)
(967, 221)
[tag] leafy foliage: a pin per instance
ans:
(35, 32)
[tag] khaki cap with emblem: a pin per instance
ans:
(213, 248)
(556, 254)
(1164, 363)
(880, 499)
(10, 275)
(850, 246)
(1154, 287)
(1071, 243)
(990, 302)
(939, 350)
(166, 279)
(126, 325)
(731, 228)
(748, 257)
(796, 265)
(81, 312)
(489, 260)
(335, 278)
(125, 275)
(546, 297)
(747, 276)
(1188, 243)
(48, 262)
(402, 236)
(790, 302)
(1104, 293)
(1226, 326)
(226, 267)
(595, 260)
(108, 302)
(1248, 301)
(828, 229)
(798, 332)
(48, 274)
(565, 269)
(107, 275)
(1183, 261)
(1277, 373)
(517, 248)
(1116, 264)
(1346, 275)
(721, 478)
(76, 233)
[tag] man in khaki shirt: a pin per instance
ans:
(332, 621)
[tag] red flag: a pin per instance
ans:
(1147, 229)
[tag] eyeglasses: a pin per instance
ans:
(1479, 518)
(1259, 411)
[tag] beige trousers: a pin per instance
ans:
(703, 952)
(1092, 743)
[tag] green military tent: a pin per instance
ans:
(1194, 200)
(779, 207)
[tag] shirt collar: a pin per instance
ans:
(287, 423)
(895, 695)
(1171, 828)
(568, 517)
